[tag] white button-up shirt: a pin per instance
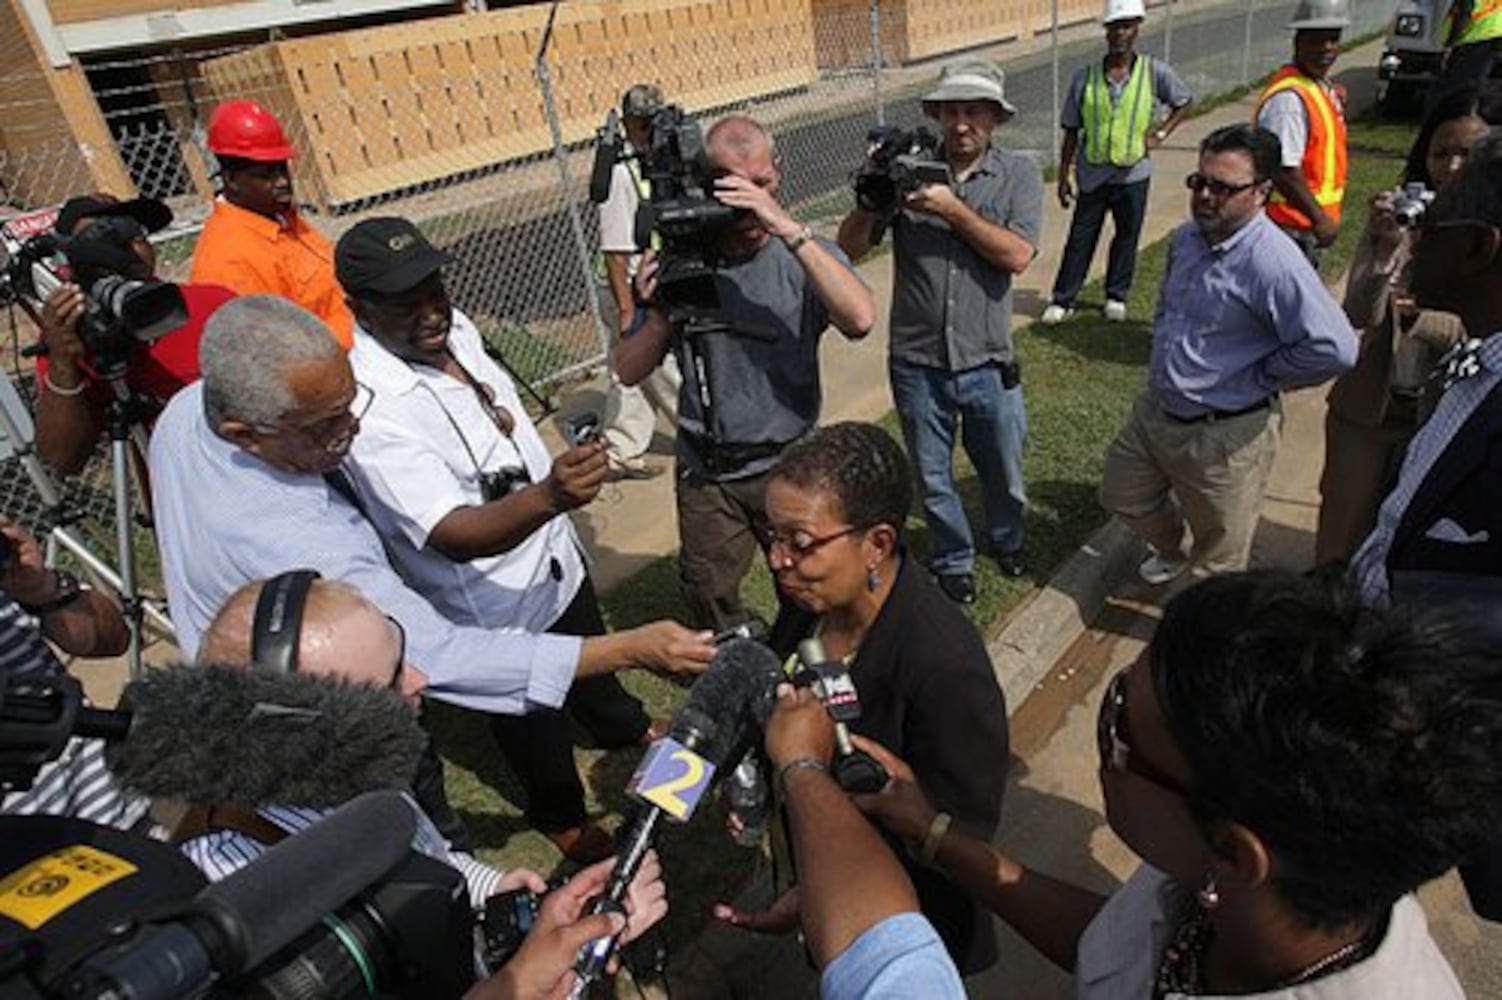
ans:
(421, 449)
(225, 518)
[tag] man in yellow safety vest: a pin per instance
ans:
(1472, 32)
(1111, 105)
(1307, 113)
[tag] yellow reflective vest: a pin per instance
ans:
(1116, 131)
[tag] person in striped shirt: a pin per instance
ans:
(37, 604)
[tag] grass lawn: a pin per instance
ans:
(1079, 378)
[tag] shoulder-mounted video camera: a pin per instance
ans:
(899, 162)
(680, 210)
(120, 311)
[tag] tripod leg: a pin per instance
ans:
(130, 598)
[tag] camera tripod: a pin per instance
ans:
(125, 432)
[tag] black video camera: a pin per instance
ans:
(120, 311)
(681, 209)
(899, 163)
(110, 914)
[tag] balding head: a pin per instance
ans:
(737, 137)
(342, 634)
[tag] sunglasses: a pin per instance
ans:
(1198, 182)
(1116, 753)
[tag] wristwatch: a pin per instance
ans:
(799, 238)
(66, 590)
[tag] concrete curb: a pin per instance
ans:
(1037, 632)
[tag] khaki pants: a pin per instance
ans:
(631, 411)
(721, 528)
(1161, 475)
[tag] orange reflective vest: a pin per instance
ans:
(1324, 163)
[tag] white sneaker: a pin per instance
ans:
(1157, 570)
(1055, 314)
(1115, 311)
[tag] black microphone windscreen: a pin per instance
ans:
(738, 689)
(271, 902)
(215, 734)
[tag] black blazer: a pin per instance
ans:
(928, 693)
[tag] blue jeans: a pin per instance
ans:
(1127, 204)
(993, 430)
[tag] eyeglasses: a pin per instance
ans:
(799, 545)
(1198, 182)
(401, 654)
(329, 434)
(1115, 752)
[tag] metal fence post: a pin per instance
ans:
(1053, 54)
(881, 106)
(1246, 43)
(1168, 34)
(575, 215)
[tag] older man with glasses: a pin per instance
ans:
(248, 483)
(1241, 317)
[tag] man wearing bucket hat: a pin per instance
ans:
(256, 241)
(630, 418)
(958, 246)
(1307, 113)
(1108, 132)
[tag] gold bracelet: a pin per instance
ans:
(937, 827)
(58, 390)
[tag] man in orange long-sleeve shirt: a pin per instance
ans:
(255, 241)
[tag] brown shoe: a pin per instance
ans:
(583, 845)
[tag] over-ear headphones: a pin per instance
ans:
(278, 622)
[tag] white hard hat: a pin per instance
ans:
(1120, 10)
(1321, 14)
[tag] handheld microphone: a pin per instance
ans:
(725, 706)
(607, 152)
(211, 734)
(855, 770)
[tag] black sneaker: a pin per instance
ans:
(1012, 564)
(959, 587)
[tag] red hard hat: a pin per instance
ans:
(246, 130)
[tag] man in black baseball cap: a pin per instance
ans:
(469, 503)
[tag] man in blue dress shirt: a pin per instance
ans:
(1241, 317)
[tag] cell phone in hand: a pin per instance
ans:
(582, 428)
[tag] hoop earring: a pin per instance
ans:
(1208, 892)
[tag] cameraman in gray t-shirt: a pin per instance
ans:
(751, 382)
(955, 373)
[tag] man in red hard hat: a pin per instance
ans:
(255, 241)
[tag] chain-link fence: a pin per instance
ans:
(479, 126)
